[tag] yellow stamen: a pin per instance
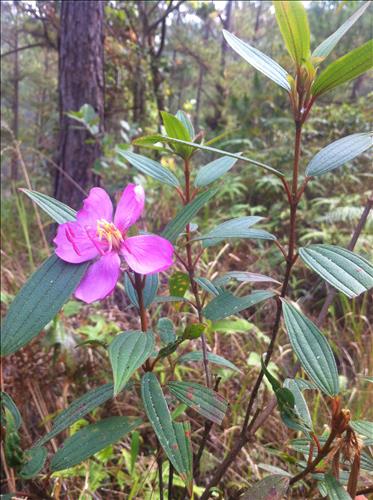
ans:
(109, 232)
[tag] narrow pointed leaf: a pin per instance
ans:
(243, 277)
(36, 458)
(127, 352)
(213, 170)
(186, 214)
(160, 418)
(38, 302)
(293, 23)
(325, 47)
(238, 156)
(184, 119)
(260, 61)
(59, 212)
(78, 409)
(150, 167)
(338, 153)
(149, 291)
(270, 488)
(91, 439)
(344, 69)
(209, 286)
(183, 434)
(227, 304)
(7, 402)
(300, 404)
(344, 270)
(235, 228)
(312, 349)
(212, 358)
(334, 488)
(203, 400)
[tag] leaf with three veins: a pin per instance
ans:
(323, 50)
(57, 210)
(312, 349)
(344, 270)
(203, 400)
(338, 153)
(127, 352)
(344, 69)
(260, 61)
(160, 418)
(39, 301)
(293, 23)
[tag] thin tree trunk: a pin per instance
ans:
(81, 81)
(15, 103)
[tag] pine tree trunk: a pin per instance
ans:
(81, 81)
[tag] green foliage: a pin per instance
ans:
(312, 350)
(39, 301)
(127, 352)
(227, 304)
(58, 211)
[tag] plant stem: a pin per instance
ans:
(139, 289)
(248, 425)
(170, 480)
(191, 268)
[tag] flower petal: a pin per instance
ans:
(100, 279)
(73, 243)
(130, 207)
(96, 206)
(147, 254)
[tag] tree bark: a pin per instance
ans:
(81, 81)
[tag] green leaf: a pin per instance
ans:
(160, 418)
(36, 458)
(344, 270)
(293, 23)
(184, 119)
(78, 409)
(59, 212)
(243, 277)
(212, 358)
(346, 68)
(224, 153)
(323, 50)
(213, 170)
(270, 488)
(300, 405)
(312, 349)
(186, 214)
(227, 304)
(183, 433)
(176, 129)
(334, 488)
(194, 330)
(178, 284)
(363, 427)
(209, 286)
(168, 298)
(149, 291)
(91, 439)
(235, 228)
(260, 61)
(166, 330)
(203, 400)
(127, 352)
(150, 167)
(38, 302)
(13, 452)
(338, 153)
(7, 402)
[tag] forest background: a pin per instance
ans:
(145, 57)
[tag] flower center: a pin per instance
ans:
(109, 232)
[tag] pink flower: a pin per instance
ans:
(95, 235)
